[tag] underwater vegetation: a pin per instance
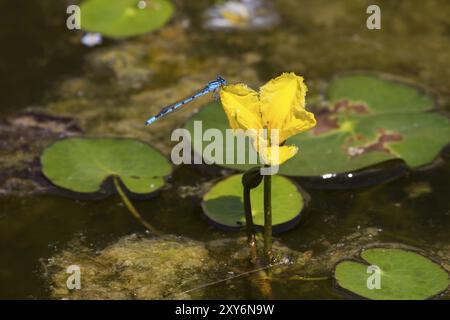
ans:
(169, 267)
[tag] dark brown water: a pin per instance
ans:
(316, 39)
(37, 52)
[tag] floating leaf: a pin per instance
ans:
(368, 120)
(82, 165)
(223, 204)
(377, 95)
(212, 116)
(124, 18)
(404, 275)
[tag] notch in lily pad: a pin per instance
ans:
(124, 18)
(403, 275)
(223, 204)
(82, 165)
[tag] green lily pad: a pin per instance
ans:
(123, 18)
(378, 95)
(368, 120)
(223, 204)
(404, 275)
(212, 116)
(82, 165)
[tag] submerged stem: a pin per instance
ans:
(131, 208)
(263, 281)
(268, 218)
(249, 227)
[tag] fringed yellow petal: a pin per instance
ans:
(302, 121)
(274, 155)
(241, 105)
(285, 153)
(281, 98)
(279, 107)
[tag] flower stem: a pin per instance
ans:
(131, 208)
(268, 218)
(249, 227)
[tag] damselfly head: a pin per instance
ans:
(216, 84)
(221, 80)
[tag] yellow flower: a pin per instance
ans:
(279, 107)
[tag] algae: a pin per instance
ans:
(132, 268)
(170, 267)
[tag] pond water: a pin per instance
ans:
(45, 65)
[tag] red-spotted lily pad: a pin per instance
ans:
(368, 120)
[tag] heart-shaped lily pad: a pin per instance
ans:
(403, 275)
(82, 165)
(223, 204)
(124, 18)
(368, 120)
